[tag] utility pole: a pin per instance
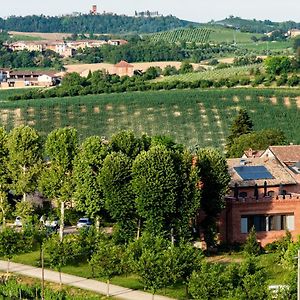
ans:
(298, 277)
(43, 276)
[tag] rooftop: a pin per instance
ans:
(286, 154)
(124, 64)
(273, 172)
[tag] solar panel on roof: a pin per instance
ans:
(253, 172)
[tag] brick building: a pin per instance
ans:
(264, 193)
(123, 68)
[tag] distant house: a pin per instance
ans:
(123, 68)
(30, 78)
(293, 33)
(264, 193)
(4, 74)
(117, 42)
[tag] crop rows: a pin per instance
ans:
(191, 117)
(197, 35)
(211, 74)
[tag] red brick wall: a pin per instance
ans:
(230, 220)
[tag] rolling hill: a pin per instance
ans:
(191, 117)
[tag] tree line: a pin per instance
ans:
(105, 23)
(100, 82)
(147, 50)
(144, 183)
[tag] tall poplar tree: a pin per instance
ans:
(87, 165)
(57, 178)
(24, 163)
(4, 178)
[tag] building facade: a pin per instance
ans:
(264, 193)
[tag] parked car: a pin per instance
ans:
(52, 225)
(18, 221)
(84, 223)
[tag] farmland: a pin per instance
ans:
(190, 116)
(211, 74)
(197, 35)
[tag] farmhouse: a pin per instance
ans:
(123, 68)
(29, 78)
(264, 193)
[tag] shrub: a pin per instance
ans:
(252, 247)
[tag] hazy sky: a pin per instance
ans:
(195, 10)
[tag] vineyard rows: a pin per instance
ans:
(191, 117)
(197, 35)
(211, 74)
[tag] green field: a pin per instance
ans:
(197, 35)
(221, 34)
(215, 74)
(285, 47)
(6, 93)
(191, 117)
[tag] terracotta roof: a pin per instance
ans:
(124, 64)
(280, 174)
(286, 154)
(33, 73)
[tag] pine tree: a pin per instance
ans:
(242, 124)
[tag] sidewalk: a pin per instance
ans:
(79, 282)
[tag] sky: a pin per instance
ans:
(192, 10)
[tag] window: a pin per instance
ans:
(243, 195)
(267, 223)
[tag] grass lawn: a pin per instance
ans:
(71, 291)
(275, 272)
(82, 269)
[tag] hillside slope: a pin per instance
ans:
(191, 117)
(107, 23)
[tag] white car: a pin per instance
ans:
(18, 221)
(84, 223)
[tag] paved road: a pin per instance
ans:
(79, 282)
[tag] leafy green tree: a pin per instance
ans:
(213, 172)
(170, 70)
(185, 67)
(242, 124)
(252, 247)
(154, 260)
(24, 152)
(189, 194)
(60, 252)
(4, 177)
(188, 259)
(277, 65)
(206, 283)
(106, 261)
(115, 180)
(87, 165)
(155, 183)
(152, 73)
(25, 210)
(258, 140)
(10, 244)
(127, 143)
(252, 281)
(57, 180)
